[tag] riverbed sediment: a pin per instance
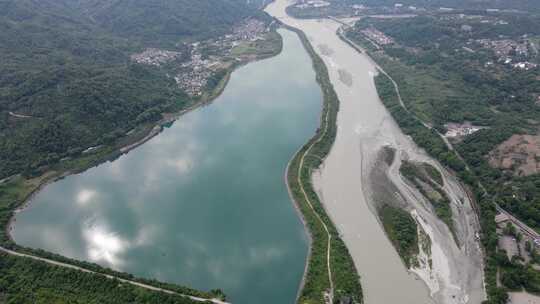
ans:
(344, 186)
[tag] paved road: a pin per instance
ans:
(146, 286)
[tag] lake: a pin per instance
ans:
(204, 203)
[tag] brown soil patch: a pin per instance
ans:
(520, 154)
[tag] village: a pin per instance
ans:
(377, 36)
(511, 52)
(191, 71)
(155, 57)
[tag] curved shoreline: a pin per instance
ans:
(108, 153)
(371, 121)
(297, 154)
(449, 281)
(304, 223)
(299, 183)
(117, 152)
(37, 254)
(108, 276)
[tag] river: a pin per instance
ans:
(348, 187)
(204, 203)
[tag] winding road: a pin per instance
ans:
(138, 284)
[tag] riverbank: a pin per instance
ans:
(19, 191)
(330, 273)
(445, 282)
(349, 194)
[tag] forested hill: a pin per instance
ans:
(163, 21)
(66, 79)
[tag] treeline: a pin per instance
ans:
(165, 23)
(23, 280)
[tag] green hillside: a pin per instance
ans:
(67, 83)
(66, 79)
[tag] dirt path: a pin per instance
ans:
(329, 236)
(142, 285)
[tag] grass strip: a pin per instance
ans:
(346, 281)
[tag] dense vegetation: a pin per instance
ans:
(401, 229)
(66, 71)
(344, 274)
(23, 280)
(158, 22)
(441, 80)
(447, 83)
(442, 83)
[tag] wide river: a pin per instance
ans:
(204, 203)
(351, 181)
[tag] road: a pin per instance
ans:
(329, 236)
(138, 284)
(522, 226)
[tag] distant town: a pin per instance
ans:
(191, 71)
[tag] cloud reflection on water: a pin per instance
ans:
(84, 196)
(198, 204)
(104, 245)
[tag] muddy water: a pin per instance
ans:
(364, 127)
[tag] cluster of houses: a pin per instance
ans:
(377, 36)
(156, 57)
(507, 50)
(192, 72)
